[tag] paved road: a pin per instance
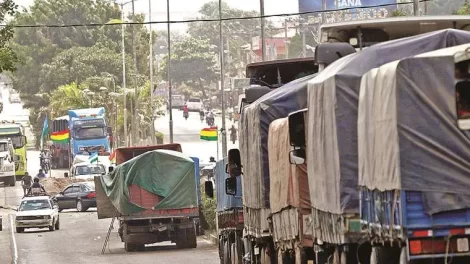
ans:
(81, 238)
(186, 132)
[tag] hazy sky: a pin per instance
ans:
(184, 9)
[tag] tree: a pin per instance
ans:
(193, 64)
(465, 9)
(295, 46)
(8, 57)
(52, 57)
(236, 32)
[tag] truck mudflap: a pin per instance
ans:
(291, 227)
(256, 222)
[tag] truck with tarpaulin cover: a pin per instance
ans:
(329, 145)
(88, 131)
(153, 193)
(229, 215)
(264, 238)
(417, 201)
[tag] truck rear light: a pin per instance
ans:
(459, 231)
(91, 195)
(432, 246)
(422, 233)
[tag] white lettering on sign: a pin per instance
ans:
(349, 3)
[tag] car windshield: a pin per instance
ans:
(90, 169)
(192, 100)
(31, 205)
(90, 133)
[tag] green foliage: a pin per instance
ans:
(8, 58)
(193, 63)
(398, 13)
(208, 211)
(465, 9)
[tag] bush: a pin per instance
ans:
(160, 137)
(208, 212)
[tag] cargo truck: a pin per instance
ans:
(414, 178)
(153, 193)
(329, 144)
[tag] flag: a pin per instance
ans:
(45, 130)
(112, 157)
(93, 158)
(209, 134)
(60, 136)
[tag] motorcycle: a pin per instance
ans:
(45, 165)
(210, 121)
(185, 115)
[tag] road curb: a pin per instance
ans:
(211, 239)
(14, 248)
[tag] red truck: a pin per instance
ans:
(153, 193)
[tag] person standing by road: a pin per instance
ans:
(26, 182)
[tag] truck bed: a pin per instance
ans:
(106, 209)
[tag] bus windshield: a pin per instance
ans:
(17, 140)
(3, 147)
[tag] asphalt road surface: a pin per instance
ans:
(81, 238)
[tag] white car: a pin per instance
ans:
(86, 170)
(195, 104)
(37, 212)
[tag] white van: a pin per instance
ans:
(195, 104)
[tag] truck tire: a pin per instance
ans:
(375, 255)
(129, 247)
(12, 181)
(191, 237)
(181, 238)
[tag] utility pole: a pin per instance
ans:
(124, 77)
(304, 44)
(416, 7)
(222, 81)
(263, 42)
(152, 110)
(135, 116)
(286, 39)
(169, 69)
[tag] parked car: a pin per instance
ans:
(37, 212)
(81, 196)
(195, 104)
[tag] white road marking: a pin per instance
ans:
(13, 241)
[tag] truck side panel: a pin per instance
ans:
(125, 154)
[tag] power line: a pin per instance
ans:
(207, 20)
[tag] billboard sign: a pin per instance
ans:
(352, 9)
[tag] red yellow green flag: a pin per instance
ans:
(209, 134)
(60, 136)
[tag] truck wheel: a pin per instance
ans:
(129, 247)
(12, 181)
(181, 240)
(375, 256)
(191, 238)
(139, 247)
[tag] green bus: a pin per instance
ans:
(16, 132)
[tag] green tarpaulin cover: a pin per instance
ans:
(166, 173)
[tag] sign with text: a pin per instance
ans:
(316, 5)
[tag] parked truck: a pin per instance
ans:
(153, 193)
(415, 205)
(88, 131)
(331, 146)
(60, 147)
